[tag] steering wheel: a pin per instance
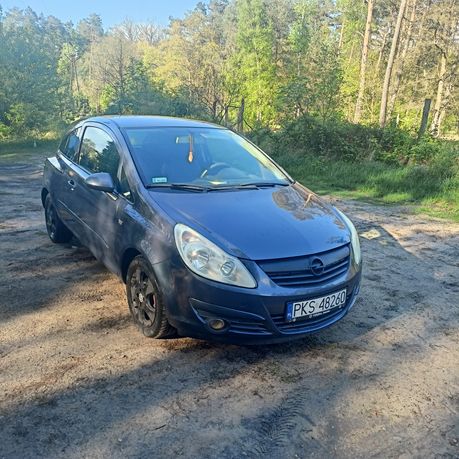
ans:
(215, 168)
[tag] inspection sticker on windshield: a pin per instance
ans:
(159, 180)
(316, 306)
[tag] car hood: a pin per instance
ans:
(260, 224)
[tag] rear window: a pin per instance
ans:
(70, 144)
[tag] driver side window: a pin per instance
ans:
(98, 152)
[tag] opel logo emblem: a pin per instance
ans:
(317, 266)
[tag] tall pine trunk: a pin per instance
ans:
(446, 72)
(390, 64)
(399, 72)
(363, 62)
(438, 106)
(381, 51)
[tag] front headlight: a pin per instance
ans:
(206, 259)
(355, 243)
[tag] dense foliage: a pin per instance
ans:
(246, 63)
(332, 88)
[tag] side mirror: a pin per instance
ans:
(101, 181)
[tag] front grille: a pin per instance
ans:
(297, 272)
(284, 326)
(252, 328)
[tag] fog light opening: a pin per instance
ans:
(216, 324)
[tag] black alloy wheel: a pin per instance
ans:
(145, 301)
(57, 231)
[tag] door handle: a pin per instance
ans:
(71, 183)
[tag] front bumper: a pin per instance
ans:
(253, 316)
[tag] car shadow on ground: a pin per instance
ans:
(90, 408)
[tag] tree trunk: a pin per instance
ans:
(75, 70)
(381, 51)
(121, 82)
(425, 117)
(446, 100)
(363, 63)
(390, 64)
(434, 128)
(240, 117)
(399, 72)
(448, 66)
(341, 36)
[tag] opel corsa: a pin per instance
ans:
(212, 238)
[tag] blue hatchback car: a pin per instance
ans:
(213, 239)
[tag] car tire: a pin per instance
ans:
(145, 301)
(57, 231)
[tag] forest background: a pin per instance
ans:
(357, 98)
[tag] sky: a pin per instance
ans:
(112, 11)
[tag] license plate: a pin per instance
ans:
(315, 306)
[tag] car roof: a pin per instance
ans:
(136, 121)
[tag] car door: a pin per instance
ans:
(101, 212)
(62, 188)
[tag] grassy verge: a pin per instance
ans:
(388, 166)
(430, 189)
(22, 151)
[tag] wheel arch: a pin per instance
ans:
(44, 193)
(128, 255)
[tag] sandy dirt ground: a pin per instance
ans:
(78, 380)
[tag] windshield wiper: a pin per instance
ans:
(247, 186)
(232, 187)
(262, 184)
(202, 188)
(178, 186)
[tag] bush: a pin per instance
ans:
(423, 151)
(5, 131)
(367, 162)
(341, 140)
(24, 117)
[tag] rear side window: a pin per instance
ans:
(70, 144)
(98, 152)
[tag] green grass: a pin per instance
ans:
(433, 189)
(389, 166)
(22, 151)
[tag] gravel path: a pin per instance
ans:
(78, 380)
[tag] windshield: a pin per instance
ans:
(206, 157)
